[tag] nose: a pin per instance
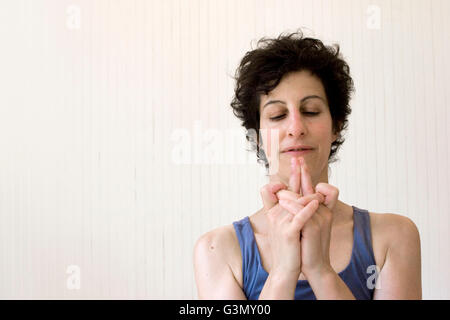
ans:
(296, 124)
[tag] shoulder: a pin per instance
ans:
(219, 248)
(394, 226)
(219, 241)
(392, 232)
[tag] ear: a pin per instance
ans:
(336, 134)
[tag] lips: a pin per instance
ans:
(298, 152)
(297, 148)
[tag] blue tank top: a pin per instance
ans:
(358, 275)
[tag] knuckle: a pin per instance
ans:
(317, 196)
(335, 191)
(281, 193)
(274, 186)
(320, 185)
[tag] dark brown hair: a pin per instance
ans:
(261, 70)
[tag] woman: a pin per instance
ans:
(304, 243)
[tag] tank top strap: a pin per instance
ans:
(363, 251)
(249, 250)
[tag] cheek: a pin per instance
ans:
(324, 131)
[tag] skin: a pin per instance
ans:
(298, 127)
(327, 232)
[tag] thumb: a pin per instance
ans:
(268, 194)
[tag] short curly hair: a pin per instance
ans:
(261, 70)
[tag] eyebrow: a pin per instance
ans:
(301, 101)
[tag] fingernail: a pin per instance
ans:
(302, 161)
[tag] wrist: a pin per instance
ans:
(282, 274)
(279, 286)
(327, 284)
(319, 274)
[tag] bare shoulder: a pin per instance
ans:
(390, 231)
(219, 248)
(222, 241)
(393, 226)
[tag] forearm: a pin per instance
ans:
(279, 287)
(329, 286)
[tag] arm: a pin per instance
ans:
(279, 286)
(216, 281)
(213, 275)
(400, 276)
(329, 286)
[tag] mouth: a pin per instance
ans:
(297, 152)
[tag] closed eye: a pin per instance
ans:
(310, 114)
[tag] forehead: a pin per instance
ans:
(295, 86)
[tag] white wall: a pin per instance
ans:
(94, 93)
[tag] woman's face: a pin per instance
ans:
(298, 95)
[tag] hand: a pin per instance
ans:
(316, 233)
(295, 191)
(284, 229)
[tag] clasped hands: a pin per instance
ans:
(300, 220)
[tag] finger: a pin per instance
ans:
(311, 226)
(294, 180)
(306, 181)
(330, 192)
(268, 194)
(276, 213)
(304, 215)
(285, 215)
(289, 200)
(291, 206)
(288, 195)
(307, 199)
